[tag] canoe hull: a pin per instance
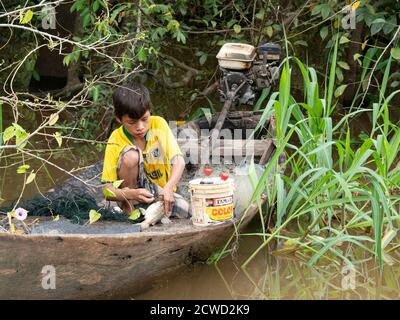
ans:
(101, 266)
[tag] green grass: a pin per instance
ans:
(1, 124)
(334, 184)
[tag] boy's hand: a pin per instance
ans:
(143, 196)
(168, 194)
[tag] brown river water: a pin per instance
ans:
(271, 277)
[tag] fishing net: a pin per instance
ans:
(74, 199)
(73, 206)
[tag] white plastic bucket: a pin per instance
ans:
(211, 202)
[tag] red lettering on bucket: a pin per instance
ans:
(220, 213)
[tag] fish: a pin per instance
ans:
(153, 214)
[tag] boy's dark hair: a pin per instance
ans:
(131, 99)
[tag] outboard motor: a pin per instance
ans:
(246, 71)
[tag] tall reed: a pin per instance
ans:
(335, 186)
(1, 124)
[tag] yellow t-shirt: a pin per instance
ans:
(161, 148)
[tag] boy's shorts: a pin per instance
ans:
(180, 208)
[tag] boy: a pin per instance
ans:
(144, 154)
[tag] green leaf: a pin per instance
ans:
(207, 114)
(18, 128)
(180, 37)
(20, 135)
(316, 10)
(53, 119)
(173, 25)
(324, 32)
(203, 59)
(237, 28)
(260, 14)
(86, 20)
(27, 17)
(390, 25)
(377, 25)
(339, 91)
(344, 39)
(117, 183)
(96, 6)
(58, 138)
(270, 31)
(108, 193)
(85, 53)
(379, 20)
(95, 93)
(301, 43)
(94, 216)
(231, 22)
(343, 65)
(357, 57)
(394, 84)
(35, 75)
(142, 55)
(31, 177)
(193, 96)
(395, 52)
(135, 214)
(9, 133)
(325, 10)
(202, 112)
(116, 12)
(23, 168)
(67, 60)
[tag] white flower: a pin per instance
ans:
(21, 214)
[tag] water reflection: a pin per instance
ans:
(281, 277)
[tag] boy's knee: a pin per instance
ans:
(130, 159)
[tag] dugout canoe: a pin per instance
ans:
(95, 266)
(102, 266)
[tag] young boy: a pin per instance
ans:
(144, 154)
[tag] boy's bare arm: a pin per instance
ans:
(178, 166)
(140, 195)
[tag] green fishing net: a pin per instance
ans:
(73, 206)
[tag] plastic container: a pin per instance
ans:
(236, 56)
(244, 188)
(211, 200)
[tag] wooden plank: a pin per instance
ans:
(269, 150)
(234, 120)
(226, 146)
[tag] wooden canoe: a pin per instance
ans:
(91, 266)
